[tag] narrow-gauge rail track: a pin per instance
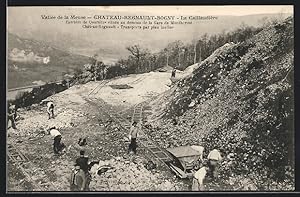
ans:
(158, 155)
(137, 80)
(15, 156)
(137, 113)
(98, 87)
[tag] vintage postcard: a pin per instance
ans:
(150, 98)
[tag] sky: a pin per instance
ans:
(26, 22)
(198, 10)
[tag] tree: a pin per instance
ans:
(195, 51)
(167, 54)
(174, 52)
(193, 47)
(92, 68)
(138, 54)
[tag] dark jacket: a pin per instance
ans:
(83, 163)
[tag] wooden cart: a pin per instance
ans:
(186, 158)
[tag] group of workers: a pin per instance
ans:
(211, 168)
(58, 146)
(80, 178)
(12, 113)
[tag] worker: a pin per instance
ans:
(50, 109)
(105, 72)
(78, 179)
(11, 115)
(57, 145)
(15, 112)
(198, 179)
(82, 141)
(132, 137)
(173, 72)
(214, 158)
(82, 161)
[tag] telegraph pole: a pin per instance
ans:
(200, 55)
(167, 59)
(182, 51)
(195, 52)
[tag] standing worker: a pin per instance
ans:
(104, 72)
(132, 136)
(173, 72)
(82, 161)
(15, 112)
(78, 179)
(173, 80)
(214, 158)
(11, 115)
(198, 179)
(50, 109)
(103, 69)
(57, 145)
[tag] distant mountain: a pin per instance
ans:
(30, 60)
(111, 44)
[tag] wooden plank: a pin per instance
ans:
(177, 171)
(160, 154)
(11, 158)
(13, 155)
(155, 149)
(24, 157)
(165, 159)
(150, 145)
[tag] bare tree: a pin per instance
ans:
(174, 52)
(167, 53)
(138, 54)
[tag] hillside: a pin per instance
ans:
(30, 60)
(77, 115)
(239, 100)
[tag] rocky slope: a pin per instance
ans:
(239, 100)
(76, 116)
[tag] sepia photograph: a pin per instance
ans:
(150, 98)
